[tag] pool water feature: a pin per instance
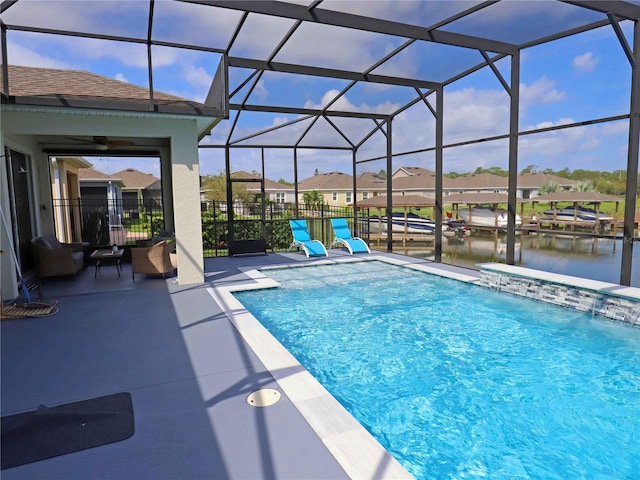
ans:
(459, 381)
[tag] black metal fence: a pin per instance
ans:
(249, 223)
(101, 223)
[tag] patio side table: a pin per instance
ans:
(107, 257)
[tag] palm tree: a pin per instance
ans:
(313, 199)
(583, 186)
(550, 187)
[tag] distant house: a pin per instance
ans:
(406, 172)
(275, 192)
(475, 183)
(414, 181)
(529, 183)
(139, 189)
(337, 187)
(101, 203)
(422, 182)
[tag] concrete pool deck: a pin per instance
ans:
(190, 357)
(189, 372)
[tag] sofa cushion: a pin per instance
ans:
(48, 241)
(163, 235)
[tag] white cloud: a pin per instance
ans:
(62, 15)
(549, 124)
(260, 91)
(329, 46)
(616, 128)
(194, 24)
(343, 103)
(471, 113)
(541, 91)
(19, 55)
(586, 62)
(197, 77)
(121, 77)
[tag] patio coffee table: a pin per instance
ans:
(107, 257)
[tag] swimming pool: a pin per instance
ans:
(459, 381)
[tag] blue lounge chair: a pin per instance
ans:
(302, 239)
(344, 238)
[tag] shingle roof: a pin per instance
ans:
(402, 171)
(133, 178)
(343, 181)
(87, 175)
(398, 201)
(327, 181)
(417, 181)
(580, 197)
(268, 184)
(34, 81)
(81, 89)
(92, 174)
(532, 180)
(480, 198)
(476, 181)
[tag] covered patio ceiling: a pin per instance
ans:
(256, 44)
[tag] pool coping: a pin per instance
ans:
(353, 447)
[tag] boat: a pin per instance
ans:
(414, 223)
(580, 214)
(485, 217)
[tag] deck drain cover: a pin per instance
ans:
(264, 397)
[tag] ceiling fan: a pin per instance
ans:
(103, 143)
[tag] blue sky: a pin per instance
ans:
(580, 78)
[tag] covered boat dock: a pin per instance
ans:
(407, 202)
(577, 200)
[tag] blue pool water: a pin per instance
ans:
(458, 381)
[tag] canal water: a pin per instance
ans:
(594, 258)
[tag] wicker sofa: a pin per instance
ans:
(55, 259)
(154, 259)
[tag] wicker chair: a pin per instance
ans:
(154, 259)
(55, 259)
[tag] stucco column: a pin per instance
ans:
(185, 173)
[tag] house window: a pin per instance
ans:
(334, 196)
(347, 196)
(279, 197)
(365, 195)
